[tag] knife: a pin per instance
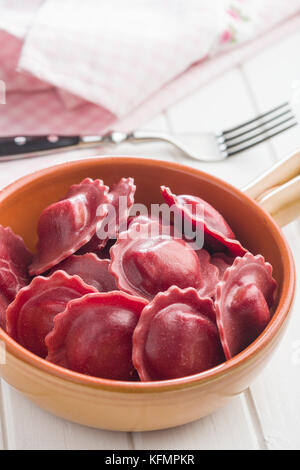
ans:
(18, 147)
(15, 148)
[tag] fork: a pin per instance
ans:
(209, 146)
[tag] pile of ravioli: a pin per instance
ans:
(136, 304)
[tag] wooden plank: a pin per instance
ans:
(6, 414)
(223, 103)
(2, 422)
(220, 105)
(274, 77)
(276, 394)
(30, 427)
(22, 424)
(227, 429)
(158, 123)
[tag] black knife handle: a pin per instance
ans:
(27, 144)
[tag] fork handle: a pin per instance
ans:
(145, 136)
(208, 147)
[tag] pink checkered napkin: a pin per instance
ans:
(10, 49)
(117, 54)
(131, 61)
(16, 17)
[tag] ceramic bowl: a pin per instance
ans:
(129, 406)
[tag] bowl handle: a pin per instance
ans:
(278, 190)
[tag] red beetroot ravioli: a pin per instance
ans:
(218, 236)
(176, 336)
(121, 199)
(144, 263)
(162, 227)
(91, 269)
(93, 335)
(222, 262)
(14, 261)
(70, 223)
(209, 274)
(243, 299)
(30, 316)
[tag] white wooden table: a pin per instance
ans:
(267, 416)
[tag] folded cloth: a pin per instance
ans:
(16, 17)
(117, 54)
(116, 64)
(9, 57)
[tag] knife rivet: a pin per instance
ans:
(20, 140)
(52, 138)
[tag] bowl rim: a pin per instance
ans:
(232, 365)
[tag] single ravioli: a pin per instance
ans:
(218, 236)
(209, 274)
(93, 335)
(14, 261)
(145, 261)
(92, 270)
(222, 262)
(120, 201)
(243, 301)
(176, 336)
(67, 225)
(30, 316)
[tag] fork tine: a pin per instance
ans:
(264, 139)
(258, 126)
(257, 118)
(258, 134)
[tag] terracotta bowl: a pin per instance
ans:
(127, 406)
